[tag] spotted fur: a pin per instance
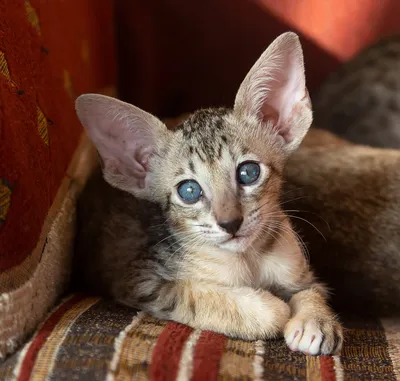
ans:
(139, 243)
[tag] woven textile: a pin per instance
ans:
(86, 338)
(44, 65)
(50, 52)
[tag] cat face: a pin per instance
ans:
(218, 175)
(222, 178)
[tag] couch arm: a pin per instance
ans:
(50, 52)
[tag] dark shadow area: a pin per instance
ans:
(176, 56)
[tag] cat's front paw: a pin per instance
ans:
(314, 335)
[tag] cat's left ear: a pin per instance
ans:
(274, 91)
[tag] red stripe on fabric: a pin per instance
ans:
(207, 356)
(30, 357)
(167, 352)
(327, 368)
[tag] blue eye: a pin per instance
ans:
(248, 173)
(190, 191)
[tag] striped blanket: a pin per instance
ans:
(87, 338)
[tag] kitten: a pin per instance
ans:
(187, 224)
(361, 100)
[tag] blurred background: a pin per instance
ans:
(165, 56)
(178, 55)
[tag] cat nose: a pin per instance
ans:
(231, 226)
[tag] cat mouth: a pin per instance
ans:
(235, 243)
(234, 238)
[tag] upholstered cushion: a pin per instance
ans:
(87, 338)
(50, 52)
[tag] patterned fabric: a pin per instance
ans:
(86, 338)
(50, 52)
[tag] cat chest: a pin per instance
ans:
(233, 270)
(266, 272)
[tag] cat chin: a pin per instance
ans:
(236, 244)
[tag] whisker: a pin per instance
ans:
(291, 200)
(301, 242)
(293, 190)
(176, 234)
(184, 247)
(180, 241)
(202, 225)
(298, 238)
(309, 212)
(276, 214)
(274, 230)
(311, 224)
(269, 229)
(158, 225)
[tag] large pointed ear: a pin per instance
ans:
(125, 136)
(274, 91)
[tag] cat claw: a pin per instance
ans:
(314, 336)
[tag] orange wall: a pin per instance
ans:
(341, 27)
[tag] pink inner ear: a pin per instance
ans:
(286, 134)
(270, 116)
(143, 156)
(124, 135)
(274, 88)
(119, 150)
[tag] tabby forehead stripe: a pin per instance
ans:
(186, 364)
(137, 349)
(168, 352)
(392, 332)
(28, 358)
(46, 357)
(207, 357)
(118, 343)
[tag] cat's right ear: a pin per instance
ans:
(125, 136)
